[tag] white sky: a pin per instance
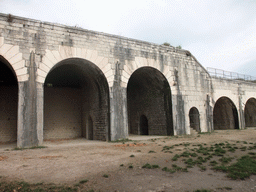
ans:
(219, 33)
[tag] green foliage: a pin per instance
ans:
(175, 158)
(166, 44)
(243, 168)
(225, 159)
(83, 181)
(121, 140)
(148, 166)
(202, 190)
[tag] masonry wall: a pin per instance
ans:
(8, 113)
(117, 58)
(62, 113)
(95, 106)
(150, 103)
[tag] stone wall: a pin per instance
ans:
(8, 113)
(34, 48)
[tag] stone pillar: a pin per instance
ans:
(178, 108)
(241, 111)
(118, 108)
(30, 109)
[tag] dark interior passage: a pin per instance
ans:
(76, 101)
(250, 113)
(8, 102)
(149, 103)
(225, 115)
(143, 125)
(194, 119)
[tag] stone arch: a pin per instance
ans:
(8, 102)
(52, 57)
(225, 115)
(131, 66)
(76, 95)
(12, 54)
(194, 119)
(250, 113)
(149, 93)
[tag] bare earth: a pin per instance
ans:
(67, 162)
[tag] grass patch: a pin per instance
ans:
(105, 175)
(213, 163)
(148, 166)
(151, 152)
(35, 147)
(175, 158)
(83, 181)
(202, 168)
(121, 140)
(225, 159)
(26, 187)
(243, 168)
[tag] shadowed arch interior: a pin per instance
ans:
(225, 115)
(194, 119)
(8, 102)
(143, 125)
(149, 93)
(250, 113)
(76, 101)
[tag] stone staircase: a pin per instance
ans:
(193, 132)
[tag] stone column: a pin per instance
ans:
(30, 109)
(118, 108)
(241, 111)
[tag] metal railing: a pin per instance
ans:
(218, 73)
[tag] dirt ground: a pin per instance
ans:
(110, 166)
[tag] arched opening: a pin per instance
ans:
(143, 125)
(8, 102)
(149, 93)
(225, 115)
(194, 119)
(250, 113)
(76, 93)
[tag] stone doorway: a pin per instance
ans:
(194, 119)
(143, 125)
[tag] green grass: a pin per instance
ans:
(225, 159)
(35, 147)
(105, 175)
(243, 168)
(83, 181)
(121, 140)
(26, 187)
(148, 166)
(175, 158)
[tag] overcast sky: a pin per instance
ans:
(219, 33)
